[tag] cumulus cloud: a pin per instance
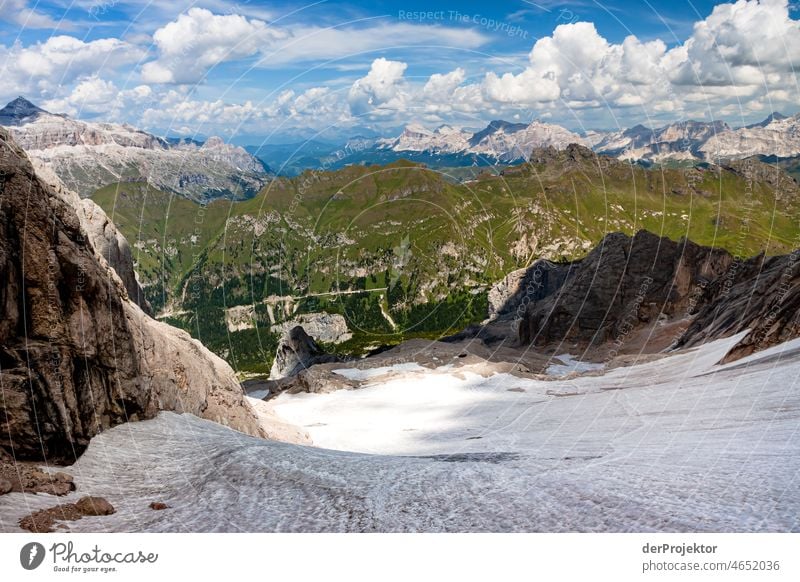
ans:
(42, 68)
(577, 65)
(94, 96)
(746, 43)
(199, 40)
(382, 88)
(736, 52)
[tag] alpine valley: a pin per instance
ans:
(515, 328)
(386, 253)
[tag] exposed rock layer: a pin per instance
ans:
(623, 282)
(627, 282)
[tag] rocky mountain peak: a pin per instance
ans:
(493, 127)
(19, 110)
(569, 156)
(214, 142)
(774, 116)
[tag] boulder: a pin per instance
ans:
(94, 506)
(297, 351)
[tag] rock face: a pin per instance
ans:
(103, 234)
(761, 294)
(622, 283)
(87, 156)
(626, 282)
(76, 356)
(109, 242)
(517, 289)
(296, 352)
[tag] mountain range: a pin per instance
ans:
(692, 141)
(501, 142)
(89, 155)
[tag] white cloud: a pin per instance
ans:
(381, 88)
(440, 87)
(18, 12)
(93, 96)
(739, 51)
(746, 43)
(312, 43)
(42, 68)
(743, 56)
(576, 65)
(199, 40)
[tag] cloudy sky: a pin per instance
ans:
(253, 70)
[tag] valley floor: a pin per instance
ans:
(676, 444)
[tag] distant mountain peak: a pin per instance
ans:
(18, 110)
(774, 116)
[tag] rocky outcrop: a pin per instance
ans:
(761, 294)
(330, 328)
(754, 170)
(296, 352)
(317, 379)
(517, 289)
(624, 282)
(76, 356)
(106, 239)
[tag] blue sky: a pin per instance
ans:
(252, 69)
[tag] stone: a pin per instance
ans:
(297, 351)
(94, 506)
(158, 506)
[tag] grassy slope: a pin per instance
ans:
(408, 228)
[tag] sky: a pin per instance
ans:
(250, 70)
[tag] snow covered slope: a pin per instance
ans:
(678, 444)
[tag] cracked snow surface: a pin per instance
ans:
(677, 444)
